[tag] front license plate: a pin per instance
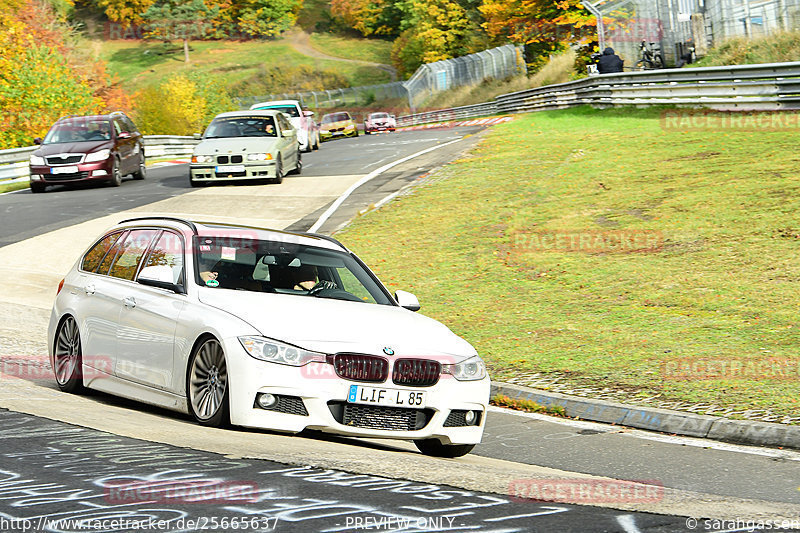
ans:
(64, 170)
(222, 169)
(386, 397)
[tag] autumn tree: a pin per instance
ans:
(177, 19)
(124, 12)
(546, 24)
(369, 17)
(41, 77)
(432, 30)
(266, 18)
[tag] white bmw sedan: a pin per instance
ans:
(263, 329)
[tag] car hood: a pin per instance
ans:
(340, 124)
(235, 145)
(83, 147)
(331, 326)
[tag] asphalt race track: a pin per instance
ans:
(97, 457)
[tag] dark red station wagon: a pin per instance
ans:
(88, 148)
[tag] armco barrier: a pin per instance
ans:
(766, 87)
(14, 162)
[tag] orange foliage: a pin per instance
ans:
(42, 77)
(537, 21)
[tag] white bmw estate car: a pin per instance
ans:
(263, 329)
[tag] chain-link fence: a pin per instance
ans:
(334, 98)
(679, 26)
(497, 63)
(429, 79)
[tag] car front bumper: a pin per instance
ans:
(322, 395)
(327, 135)
(379, 128)
(252, 170)
(97, 171)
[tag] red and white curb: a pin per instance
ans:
(171, 162)
(474, 122)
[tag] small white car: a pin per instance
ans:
(264, 329)
(246, 145)
(378, 122)
(301, 119)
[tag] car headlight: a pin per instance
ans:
(323, 130)
(36, 160)
(350, 126)
(259, 157)
(471, 369)
(202, 159)
(277, 352)
(102, 155)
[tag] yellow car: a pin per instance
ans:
(339, 124)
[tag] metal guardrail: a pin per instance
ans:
(765, 87)
(14, 162)
(455, 113)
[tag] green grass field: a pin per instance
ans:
(139, 64)
(374, 50)
(721, 283)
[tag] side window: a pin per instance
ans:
(111, 255)
(93, 257)
(129, 125)
(119, 126)
(353, 286)
(165, 260)
(127, 261)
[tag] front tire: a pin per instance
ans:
(142, 172)
(38, 187)
(278, 170)
(116, 176)
(435, 448)
(67, 357)
(299, 168)
(207, 387)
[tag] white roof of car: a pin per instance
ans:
(219, 229)
(250, 113)
(275, 102)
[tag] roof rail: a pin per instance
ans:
(320, 236)
(172, 219)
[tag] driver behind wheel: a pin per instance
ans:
(304, 277)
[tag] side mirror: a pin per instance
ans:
(407, 300)
(307, 113)
(124, 135)
(160, 276)
(37, 140)
(197, 136)
(287, 133)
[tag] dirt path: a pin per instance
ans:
(301, 42)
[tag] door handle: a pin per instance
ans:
(89, 289)
(129, 302)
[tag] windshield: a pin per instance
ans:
(335, 117)
(283, 268)
(79, 130)
(379, 115)
(289, 109)
(241, 127)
